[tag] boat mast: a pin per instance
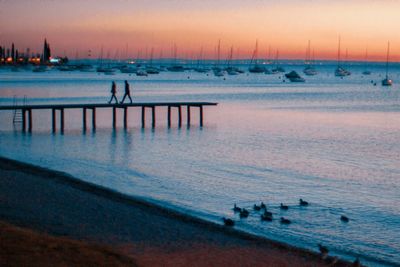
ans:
(218, 51)
(230, 57)
(339, 53)
(308, 53)
(387, 59)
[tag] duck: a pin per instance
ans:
(284, 207)
(236, 208)
(266, 217)
(267, 213)
(263, 206)
(244, 213)
(256, 207)
(324, 250)
(303, 203)
(344, 219)
(228, 222)
(285, 221)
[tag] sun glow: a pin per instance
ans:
(132, 28)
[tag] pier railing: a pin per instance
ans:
(27, 117)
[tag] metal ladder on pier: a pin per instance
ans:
(17, 117)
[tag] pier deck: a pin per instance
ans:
(27, 112)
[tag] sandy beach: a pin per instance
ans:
(57, 205)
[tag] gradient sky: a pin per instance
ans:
(79, 25)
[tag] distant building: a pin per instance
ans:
(13, 56)
(46, 52)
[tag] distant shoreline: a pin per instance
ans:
(62, 179)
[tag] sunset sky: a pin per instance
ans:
(80, 25)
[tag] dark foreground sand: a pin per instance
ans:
(117, 228)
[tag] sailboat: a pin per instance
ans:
(340, 71)
(309, 70)
(387, 81)
(219, 72)
(269, 61)
(151, 69)
(256, 68)
(231, 70)
(200, 68)
(175, 67)
(366, 72)
(277, 68)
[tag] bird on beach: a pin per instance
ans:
(284, 207)
(228, 222)
(324, 251)
(303, 203)
(236, 208)
(285, 221)
(244, 213)
(344, 219)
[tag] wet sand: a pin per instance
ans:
(57, 204)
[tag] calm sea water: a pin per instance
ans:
(333, 142)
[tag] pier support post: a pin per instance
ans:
(180, 116)
(143, 116)
(201, 116)
(94, 119)
(169, 116)
(24, 120)
(53, 120)
(125, 118)
(84, 119)
(30, 120)
(62, 120)
(153, 116)
(114, 110)
(188, 116)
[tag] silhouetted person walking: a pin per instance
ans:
(113, 92)
(127, 92)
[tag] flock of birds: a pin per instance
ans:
(266, 215)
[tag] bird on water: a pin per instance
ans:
(303, 203)
(284, 207)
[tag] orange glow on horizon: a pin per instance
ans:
(125, 31)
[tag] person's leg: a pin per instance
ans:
(116, 100)
(123, 99)
(130, 98)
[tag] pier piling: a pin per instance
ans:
(94, 119)
(143, 116)
(188, 116)
(27, 119)
(30, 120)
(153, 116)
(201, 116)
(84, 119)
(24, 120)
(62, 120)
(53, 120)
(169, 116)
(125, 118)
(179, 116)
(114, 111)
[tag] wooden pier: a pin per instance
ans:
(27, 117)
